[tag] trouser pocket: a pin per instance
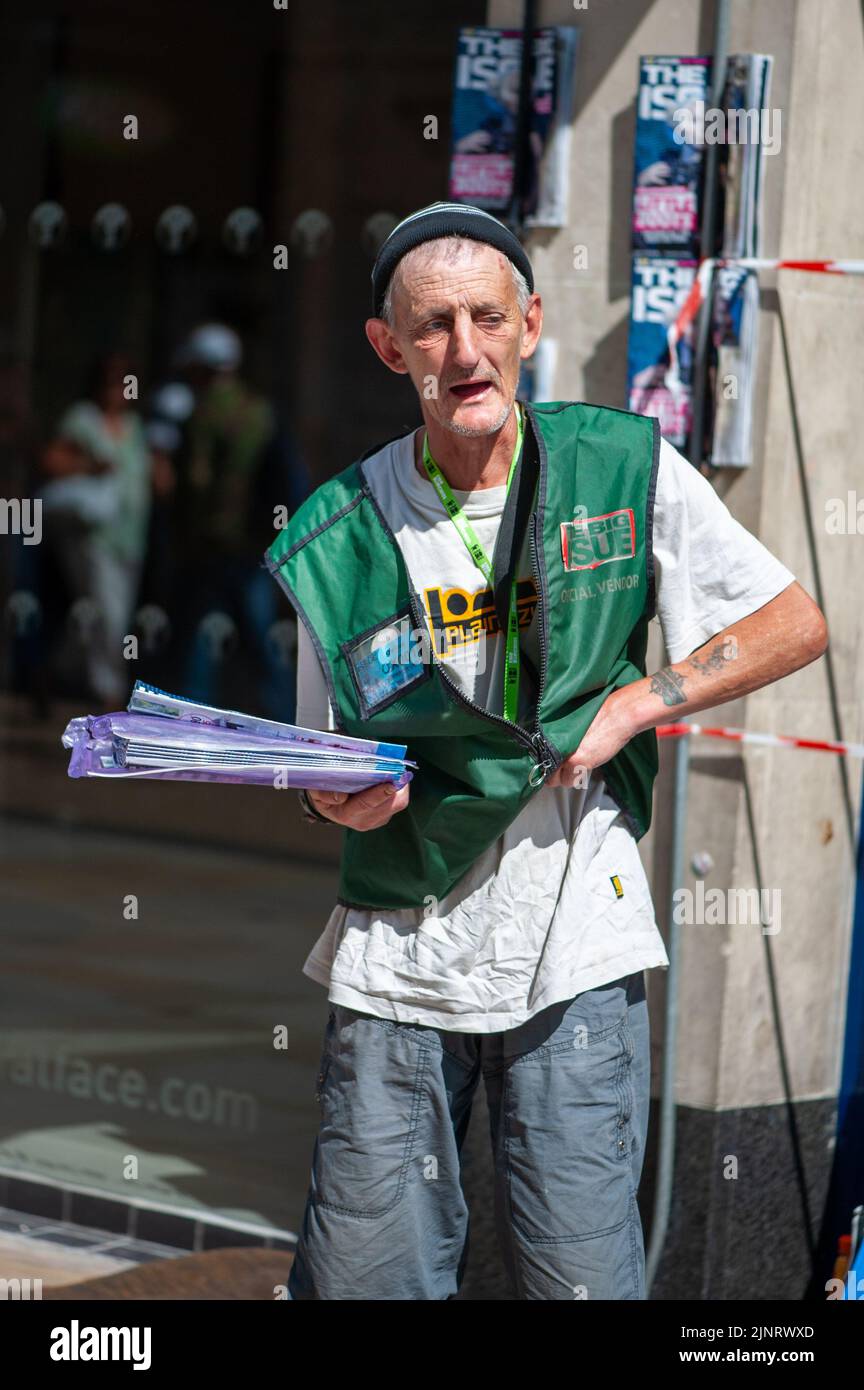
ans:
(372, 1096)
(567, 1120)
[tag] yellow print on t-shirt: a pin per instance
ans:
(458, 616)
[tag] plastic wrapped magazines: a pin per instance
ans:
(735, 307)
(748, 133)
(163, 736)
(667, 176)
(485, 119)
(659, 360)
(735, 323)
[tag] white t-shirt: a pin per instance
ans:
(537, 919)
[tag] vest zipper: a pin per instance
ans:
(547, 757)
(550, 758)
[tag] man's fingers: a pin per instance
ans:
(571, 773)
(329, 798)
(364, 810)
(374, 807)
(574, 775)
(373, 798)
(372, 817)
(327, 803)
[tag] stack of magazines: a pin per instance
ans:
(734, 341)
(164, 736)
(735, 311)
(668, 193)
(750, 133)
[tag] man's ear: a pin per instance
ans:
(533, 326)
(381, 337)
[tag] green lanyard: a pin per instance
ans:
(484, 564)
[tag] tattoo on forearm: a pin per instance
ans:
(727, 650)
(669, 685)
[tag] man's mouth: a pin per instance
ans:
(471, 390)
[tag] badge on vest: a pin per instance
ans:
(595, 540)
(387, 661)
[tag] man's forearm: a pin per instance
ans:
(784, 635)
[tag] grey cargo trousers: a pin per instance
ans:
(568, 1097)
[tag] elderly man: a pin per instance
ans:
(493, 915)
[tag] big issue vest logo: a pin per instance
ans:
(589, 532)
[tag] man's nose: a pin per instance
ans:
(464, 346)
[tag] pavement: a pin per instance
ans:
(58, 1254)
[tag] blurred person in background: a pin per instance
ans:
(96, 502)
(167, 416)
(230, 443)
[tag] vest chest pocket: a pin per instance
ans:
(386, 661)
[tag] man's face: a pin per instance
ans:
(459, 335)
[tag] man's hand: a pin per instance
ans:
(366, 810)
(784, 635)
(608, 731)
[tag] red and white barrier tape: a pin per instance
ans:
(851, 750)
(695, 299)
(819, 267)
(699, 289)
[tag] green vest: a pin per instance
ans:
(342, 570)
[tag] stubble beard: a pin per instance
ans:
(470, 431)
